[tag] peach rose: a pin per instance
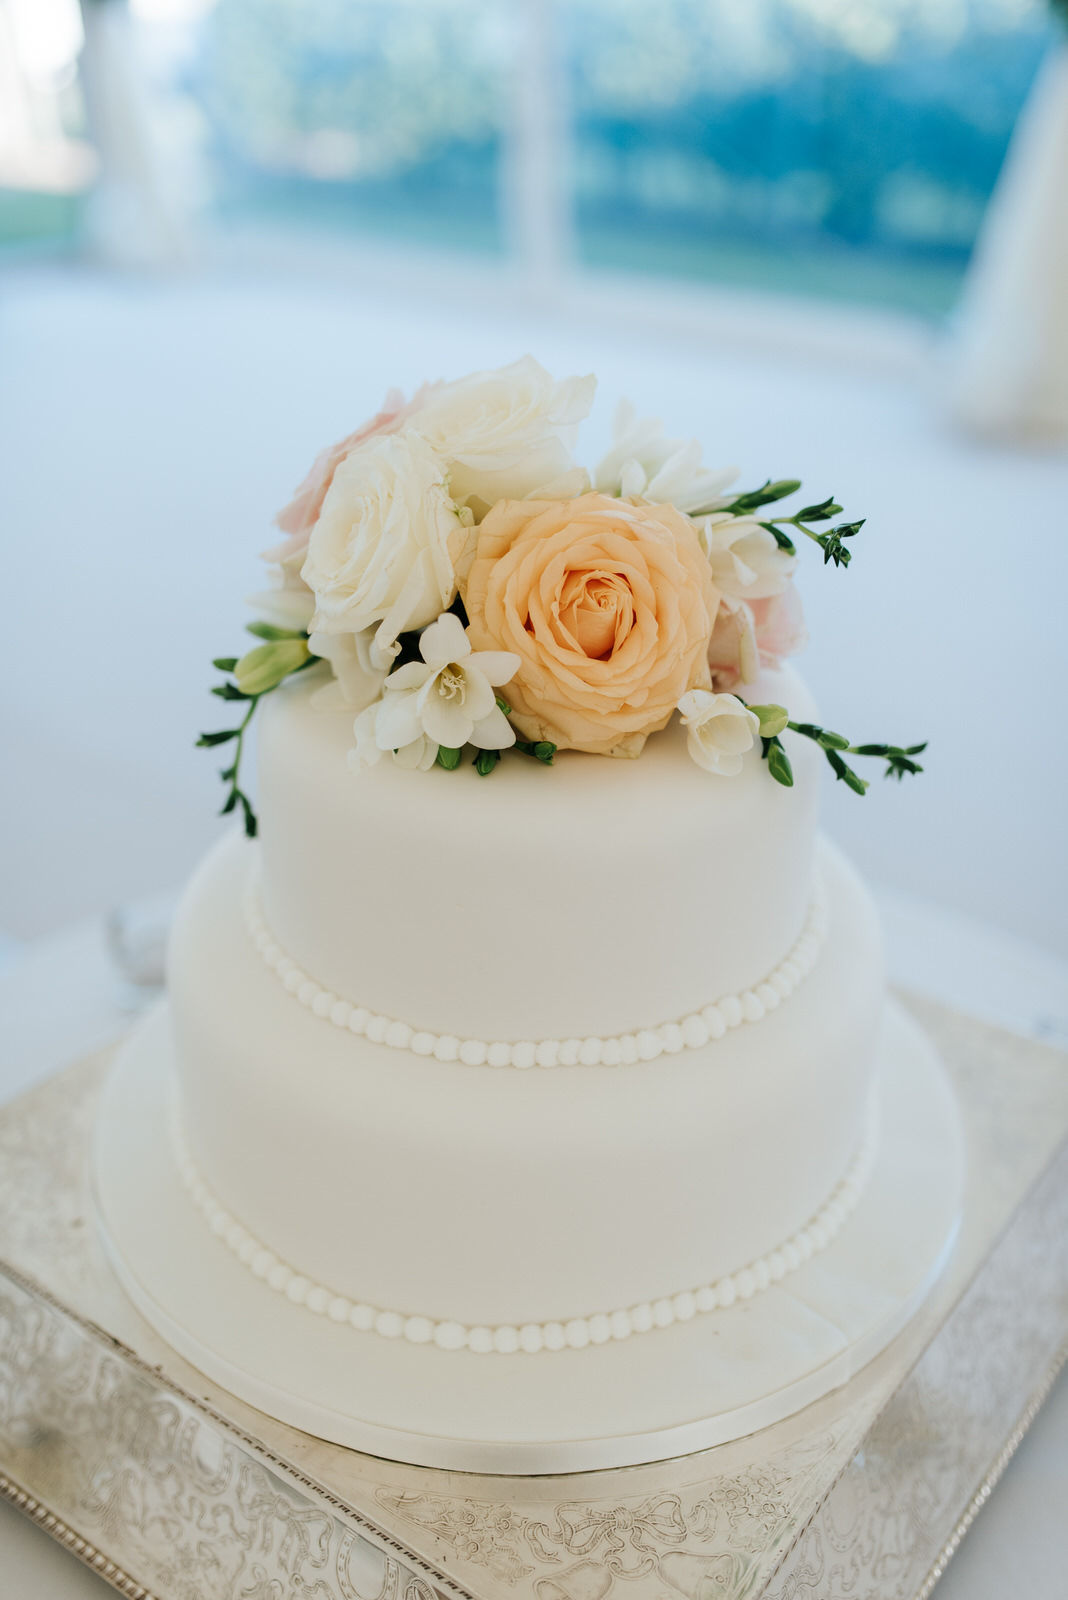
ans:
(609, 606)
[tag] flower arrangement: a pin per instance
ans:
(469, 585)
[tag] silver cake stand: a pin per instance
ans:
(171, 1488)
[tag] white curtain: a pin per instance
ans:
(1009, 359)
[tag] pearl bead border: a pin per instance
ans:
(691, 1032)
(532, 1337)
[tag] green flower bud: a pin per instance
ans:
(264, 667)
(773, 719)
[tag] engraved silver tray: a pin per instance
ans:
(170, 1488)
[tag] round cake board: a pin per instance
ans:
(666, 1393)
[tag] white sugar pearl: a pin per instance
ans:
(284, 965)
(663, 1313)
(569, 1052)
(730, 1009)
(530, 1338)
(278, 1276)
(777, 1266)
(294, 980)
(450, 1336)
(272, 955)
(247, 1251)
(423, 1044)
(781, 984)
(715, 1021)
(473, 1052)
(446, 1048)
(577, 1333)
(819, 1236)
(553, 1336)
(752, 1008)
(590, 1052)
(398, 1036)
(600, 1328)
(792, 1256)
(499, 1054)
(340, 1012)
(418, 1330)
(685, 1305)
(362, 1317)
(670, 1035)
(706, 1298)
(641, 1317)
(761, 1274)
(745, 1284)
(804, 1244)
(389, 1324)
(480, 1340)
(628, 1049)
(339, 1308)
(611, 1053)
(235, 1236)
(768, 995)
(649, 1045)
(323, 1003)
(694, 1031)
(506, 1340)
(548, 1053)
(220, 1222)
(726, 1292)
(375, 1028)
(359, 1017)
(317, 1299)
(791, 972)
(262, 1262)
(620, 1325)
(297, 1289)
(523, 1053)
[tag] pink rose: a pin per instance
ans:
(750, 634)
(780, 626)
(299, 517)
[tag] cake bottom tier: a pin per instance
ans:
(681, 1388)
(443, 1197)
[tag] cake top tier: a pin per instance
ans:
(469, 585)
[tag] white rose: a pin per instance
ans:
(643, 463)
(382, 553)
(448, 697)
(719, 730)
(745, 558)
(507, 434)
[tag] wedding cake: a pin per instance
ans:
(515, 1107)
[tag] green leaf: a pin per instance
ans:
(772, 719)
(449, 758)
(251, 825)
(846, 773)
(231, 802)
(778, 762)
(764, 496)
(502, 705)
(782, 539)
(819, 513)
(270, 630)
(225, 663)
(485, 761)
(230, 691)
(846, 530)
(263, 668)
(207, 740)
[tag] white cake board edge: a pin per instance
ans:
(667, 1393)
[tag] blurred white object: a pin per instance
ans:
(535, 199)
(134, 218)
(1010, 363)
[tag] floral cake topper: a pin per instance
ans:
(469, 585)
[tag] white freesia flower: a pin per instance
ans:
(382, 553)
(448, 697)
(719, 730)
(359, 669)
(288, 603)
(507, 434)
(746, 561)
(643, 463)
(420, 754)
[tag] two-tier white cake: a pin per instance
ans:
(531, 1120)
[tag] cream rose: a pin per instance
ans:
(609, 607)
(382, 553)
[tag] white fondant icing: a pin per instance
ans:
(532, 1337)
(575, 902)
(498, 1199)
(693, 1032)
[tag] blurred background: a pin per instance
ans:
(830, 237)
